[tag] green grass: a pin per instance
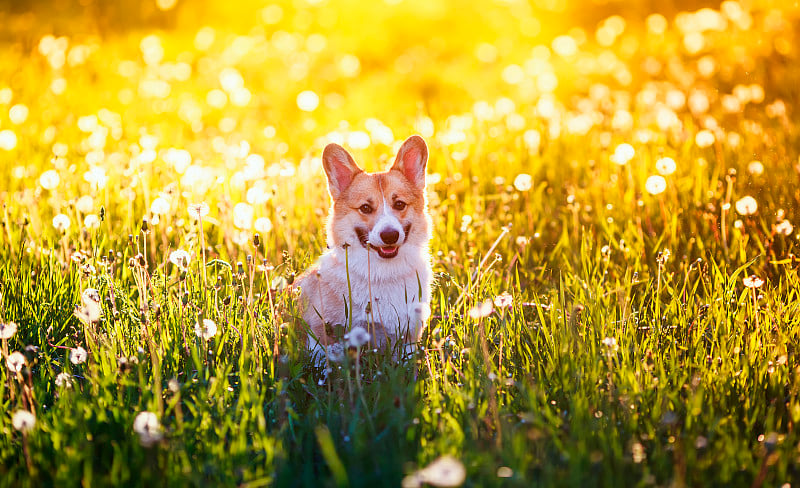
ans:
(633, 354)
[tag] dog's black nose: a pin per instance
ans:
(390, 236)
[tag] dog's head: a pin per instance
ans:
(381, 211)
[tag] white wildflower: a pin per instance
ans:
(523, 182)
(746, 206)
(23, 421)
(481, 310)
(357, 337)
(61, 222)
(78, 355)
(444, 471)
(611, 344)
(198, 210)
(15, 361)
(147, 426)
(180, 258)
(7, 330)
(205, 330)
(64, 379)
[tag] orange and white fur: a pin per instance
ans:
(378, 234)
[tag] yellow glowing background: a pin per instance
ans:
(143, 107)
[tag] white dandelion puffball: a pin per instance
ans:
(63, 380)
(622, 154)
(481, 310)
(335, 352)
(147, 426)
(357, 337)
(91, 221)
(49, 180)
(198, 210)
(263, 225)
(666, 166)
(753, 281)
(655, 184)
(205, 330)
(243, 216)
(15, 361)
(445, 471)
(78, 355)
(89, 313)
(746, 206)
(85, 204)
(90, 295)
(503, 300)
(23, 421)
(180, 258)
(160, 206)
(611, 344)
(523, 182)
(7, 330)
(61, 222)
(784, 227)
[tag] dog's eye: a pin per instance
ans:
(365, 209)
(399, 205)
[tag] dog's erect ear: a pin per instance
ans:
(412, 158)
(340, 168)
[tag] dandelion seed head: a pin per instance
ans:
(78, 355)
(84, 204)
(160, 206)
(481, 310)
(7, 330)
(15, 361)
(523, 182)
(63, 380)
(666, 166)
(23, 421)
(655, 184)
(50, 179)
(746, 205)
(180, 258)
(445, 471)
(637, 452)
(357, 337)
(243, 216)
(610, 344)
(198, 210)
(147, 426)
(91, 221)
(205, 329)
(503, 300)
(784, 227)
(61, 222)
(90, 295)
(755, 168)
(335, 352)
(753, 281)
(622, 154)
(263, 225)
(704, 138)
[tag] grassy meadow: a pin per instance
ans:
(613, 190)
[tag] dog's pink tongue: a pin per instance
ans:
(388, 250)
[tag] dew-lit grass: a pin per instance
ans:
(614, 201)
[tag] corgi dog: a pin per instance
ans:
(376, 273)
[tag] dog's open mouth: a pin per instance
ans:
(387, 252)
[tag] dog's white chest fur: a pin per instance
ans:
(390, 298)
